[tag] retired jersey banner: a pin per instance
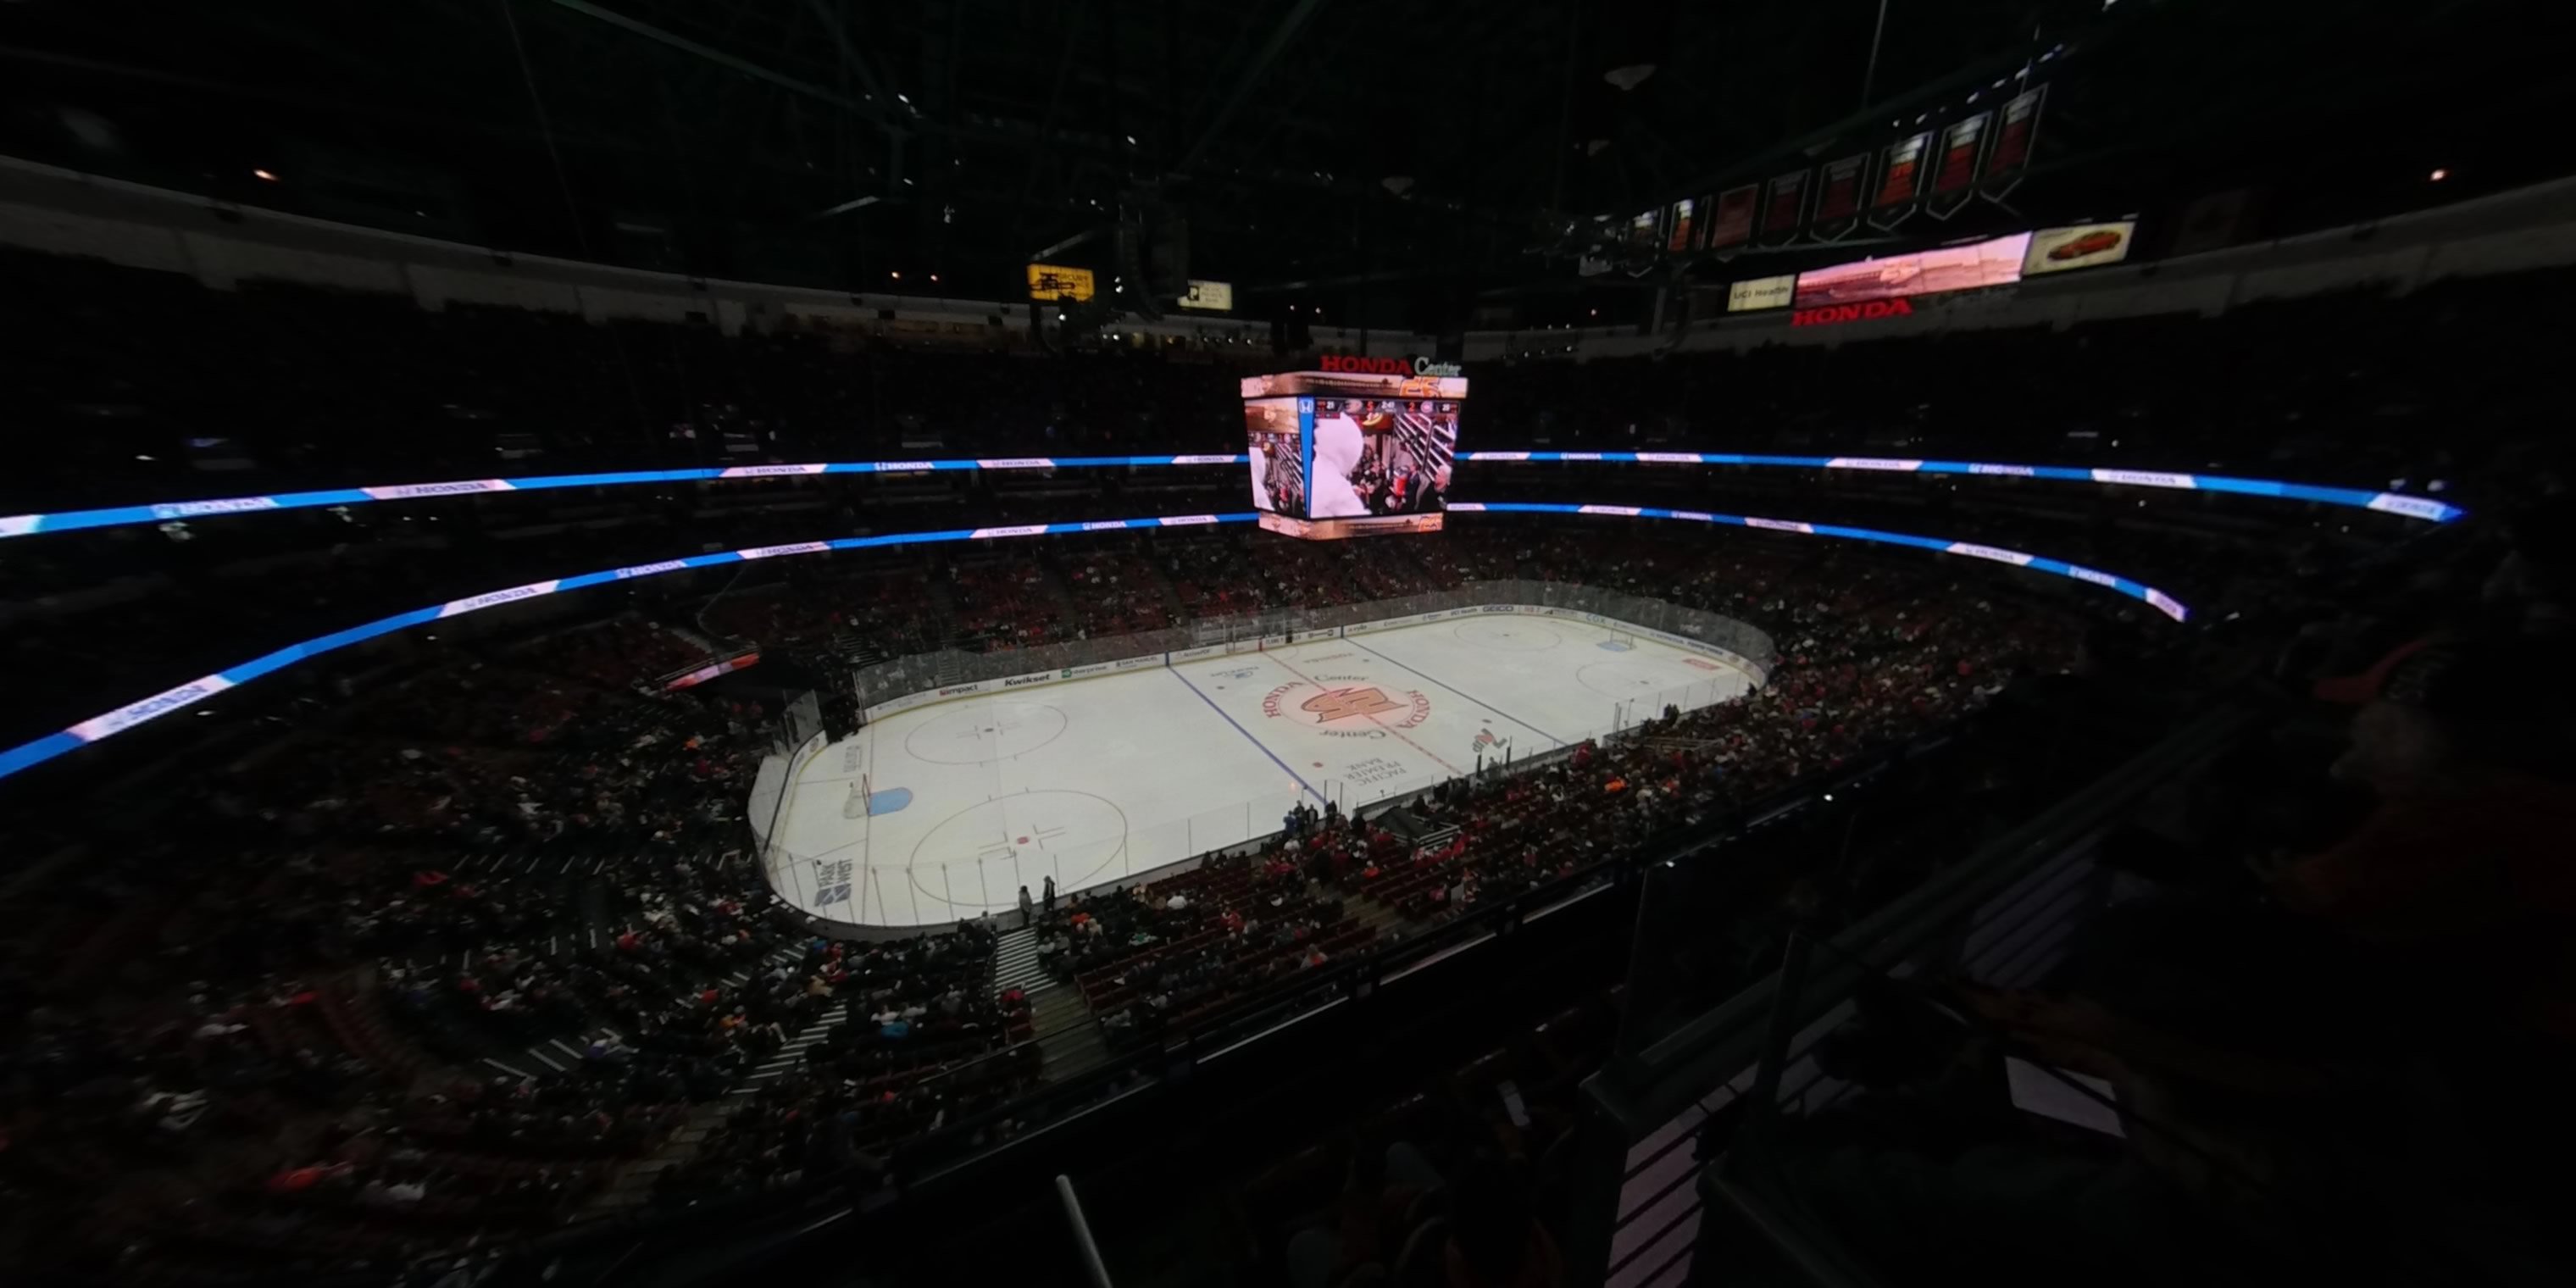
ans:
(1784, 207)
(1677, 226)
(2016, 132)
(1954, 171)
(1838, 197)
(1732, 222)
(1900, 180)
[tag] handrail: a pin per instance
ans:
(1082, 1240)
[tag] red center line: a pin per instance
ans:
(1319, 685)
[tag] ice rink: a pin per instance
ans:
(1097, 779)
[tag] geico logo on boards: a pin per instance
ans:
(647, 570)
(1829, 314)
(1499, 608)
(2145, 478)
(230, 505)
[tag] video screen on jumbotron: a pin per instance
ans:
(1362, 450)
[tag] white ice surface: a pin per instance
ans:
(1098, 779)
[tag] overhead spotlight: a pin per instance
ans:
(266, 175)
(1629, 77)
(896, 276)
(2439, 175)
(934, 277)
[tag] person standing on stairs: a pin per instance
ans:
(1026, 917)
(1050, 892)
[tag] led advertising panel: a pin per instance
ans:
(2056, 250)
(1217, 297)
(1761, 293)
(1057, 282)
(1950, 268)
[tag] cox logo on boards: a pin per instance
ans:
(1832, 314)
(1362, 365)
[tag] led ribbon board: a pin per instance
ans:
(23, 525)
(2412, 507)
(29, 754)
(2140, 591)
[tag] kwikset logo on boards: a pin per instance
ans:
(1828, 315)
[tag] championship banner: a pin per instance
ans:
(1954, 174)
(2015, 135)
(1784, 208)
(1641, 230)
(1838, 197)
(1732, 222)
(1677, 226)
(1900, 180)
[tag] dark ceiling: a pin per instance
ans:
(840, 142)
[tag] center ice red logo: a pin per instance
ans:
(1347, 701)
(1342, 704)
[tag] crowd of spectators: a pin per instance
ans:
(2324, 1029)
(450, 969)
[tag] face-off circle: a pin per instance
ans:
(1508, 634)
(1628, 679)
(979, 733)
(997, 846)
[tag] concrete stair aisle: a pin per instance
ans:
(1015, 964)
(792, 1054)
(1068, 1035)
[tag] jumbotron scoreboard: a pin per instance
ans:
(1360, 447)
